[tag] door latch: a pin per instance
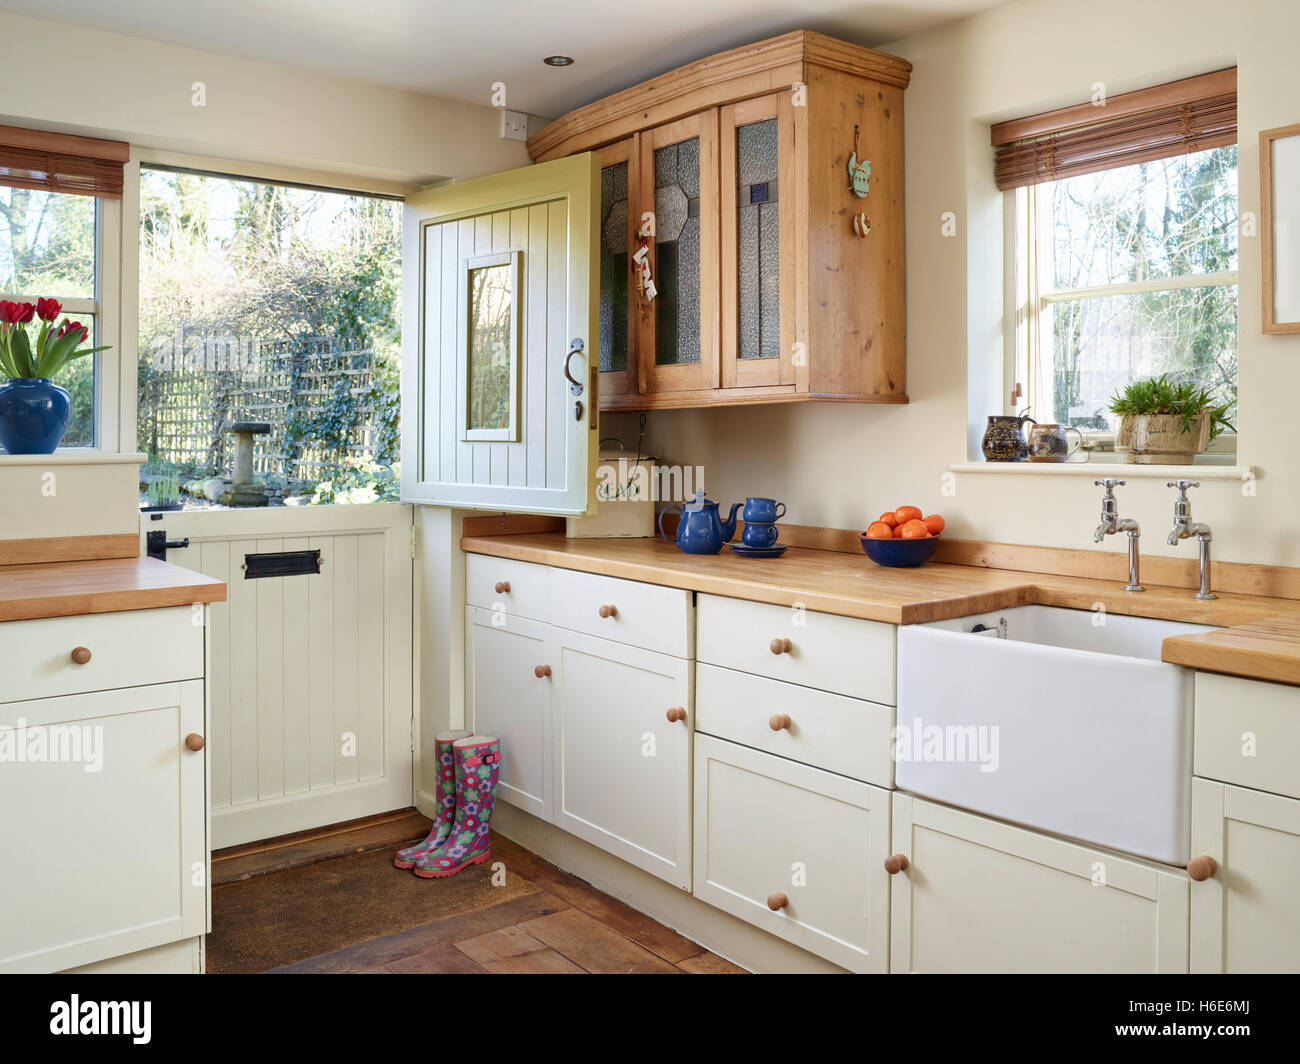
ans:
(576, 347)
(157, 543)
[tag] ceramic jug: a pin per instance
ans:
(1003, 439)
(1050, 443)
(701, 530)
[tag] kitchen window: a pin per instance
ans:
(1122, 261)
(60, 220)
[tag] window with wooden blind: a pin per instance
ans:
(1124, 259)
(59, 231)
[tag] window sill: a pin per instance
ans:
(1122, 470)
(72, 458)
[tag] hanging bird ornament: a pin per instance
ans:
(859, 172)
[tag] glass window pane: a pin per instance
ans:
(1099, 345)
(271, 304)
(677, 253)
(47, 244)
(1168, 218)
(78, 376)
(758, 252)
(490, 375)
(613, 268)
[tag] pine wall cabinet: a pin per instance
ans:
(765, 291)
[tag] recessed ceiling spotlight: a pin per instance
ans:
(558, 60)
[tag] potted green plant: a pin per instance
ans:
(34, 411)
(163, 492)
(1165, 422)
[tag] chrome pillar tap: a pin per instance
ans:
(1111, 523)
(1185, 528)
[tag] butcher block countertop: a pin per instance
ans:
(63, 589)
(1262, 640)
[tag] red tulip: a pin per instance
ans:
(73, 326)
(8, 312)
(48, 309)
(23, 312)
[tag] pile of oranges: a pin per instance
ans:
(907, 522)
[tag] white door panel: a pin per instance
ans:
(310, 676)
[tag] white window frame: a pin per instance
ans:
(1027, 235)
(106, 308)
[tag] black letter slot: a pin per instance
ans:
(281, 563)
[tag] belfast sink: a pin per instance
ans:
(1058, 719)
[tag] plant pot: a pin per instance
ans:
(1159, 439)
(34, 414)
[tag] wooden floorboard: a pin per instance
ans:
(566, 927)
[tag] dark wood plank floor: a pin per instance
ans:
(566, 926)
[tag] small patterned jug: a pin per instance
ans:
(1003, 439)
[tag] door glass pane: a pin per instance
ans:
(757, 235)
(677, 253)
(489, 347)
(613, 268)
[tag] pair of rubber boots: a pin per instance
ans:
(468, 769)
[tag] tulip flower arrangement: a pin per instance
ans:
(54, 348)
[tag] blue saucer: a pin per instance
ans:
(758, 552)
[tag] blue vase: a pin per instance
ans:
(34, 414)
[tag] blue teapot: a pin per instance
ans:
(701, 530)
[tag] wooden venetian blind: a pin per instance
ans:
(1157, 123)
(57, 162)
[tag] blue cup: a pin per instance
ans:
(763, 511)
(759, 534)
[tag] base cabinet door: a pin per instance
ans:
(622, 766)
(104, 834)
(1246, 916)
(794, 850)
(505, 697)
(979, 895)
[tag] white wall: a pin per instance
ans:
(840, 465)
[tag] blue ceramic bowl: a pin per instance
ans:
(899, 553)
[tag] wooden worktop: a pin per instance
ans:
(1263, 641)
(63, 589)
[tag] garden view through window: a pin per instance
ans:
(271, 310)
(48, 249)
(1131, 273)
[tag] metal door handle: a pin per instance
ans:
(575, 348)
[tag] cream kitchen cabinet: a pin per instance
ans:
(104, 832)
(622, 734)
(797, 851)
(508, 692)
(979, 895)
(1246, 914)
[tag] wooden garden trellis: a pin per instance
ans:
(194, 385)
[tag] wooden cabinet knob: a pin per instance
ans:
(609, 611)
(194, 741)
(675, 714)
(502, 587)
(895, 864)
(541, 671)
(778, 901)
(781, 646)
(777, 721)
(1201, 868)
(81, 655)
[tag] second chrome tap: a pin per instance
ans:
(1185, 528)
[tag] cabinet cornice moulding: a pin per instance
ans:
(738, 74)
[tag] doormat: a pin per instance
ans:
(283, 917)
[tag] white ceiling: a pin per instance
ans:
(458, 49)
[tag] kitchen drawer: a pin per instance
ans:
(841, 654)
(830, 731)
(643, 615)
(525, 586)
(127, 649)
(765, 826)
(1248, 732)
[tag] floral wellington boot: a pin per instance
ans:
(445, 815)
(478, 766)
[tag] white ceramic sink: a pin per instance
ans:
(1069, 722)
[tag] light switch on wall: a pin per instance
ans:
(514, 125)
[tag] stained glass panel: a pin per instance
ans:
(758, 247)
(613, 268)
(677, 253)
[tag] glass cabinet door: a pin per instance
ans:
(678, 183)
(757, 234)
(618, 311)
